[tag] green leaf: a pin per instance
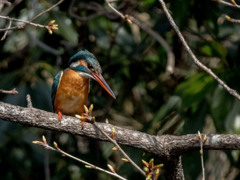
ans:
(195, 89)
(220, 107)
(214, 49)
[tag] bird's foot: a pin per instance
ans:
(59, 116)
(87, 116)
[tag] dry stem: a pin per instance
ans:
(6, 32)
(228, 4)
(13, 91)
(26, 22)
(201, 142)
(87, 164)
(121, 150)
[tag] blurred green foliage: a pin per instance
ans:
(134, 65)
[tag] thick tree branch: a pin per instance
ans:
(174, 169)
(165, 146)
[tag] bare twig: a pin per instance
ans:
(46, 160)
(147, 29)
(4, 2)
(13, 91)
(29, 101)
(10, 8)
(232, 20)
(233, 4)
(45, 11)
(20, 26)
(26, 22)
(201, 142)
(120, 149)
(5, 34)
(115, 10)
(196, 61)
(87, 164)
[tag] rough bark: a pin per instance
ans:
(173, 168)
(167, 147)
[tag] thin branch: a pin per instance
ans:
(26, 22)
(10, 8)
(115, 10)
(6, 32)
(201, 142)
(29, 101)
(121, 150)
(45, 11)
(22, 25)
(87, 164)
(232, 20)
(156, 36)
(167, 147)
(4, 2)
(228, 4)
(13, 91)
(196, 61)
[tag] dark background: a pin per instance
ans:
(133, 64)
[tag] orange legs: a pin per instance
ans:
(86, 116)
(59, 116)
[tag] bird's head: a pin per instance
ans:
(86, 64)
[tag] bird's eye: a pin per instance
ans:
(90, 66)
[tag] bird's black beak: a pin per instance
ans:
(99, 78)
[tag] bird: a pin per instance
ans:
(71, 87)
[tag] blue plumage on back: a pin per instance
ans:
(70, 87)
(55, 86)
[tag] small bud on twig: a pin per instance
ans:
(145, 163)
(227, 18)
(56, 145)
(113, 133)
(115, 148)
(89, 167)
(44, 139)
(111, 168)
(51, 26)
(125, 160)
(38, 142)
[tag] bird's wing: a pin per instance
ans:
(56, 81)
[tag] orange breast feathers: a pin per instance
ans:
(72, 93)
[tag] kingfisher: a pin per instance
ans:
(71, 87)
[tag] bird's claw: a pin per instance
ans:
(87, 116)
